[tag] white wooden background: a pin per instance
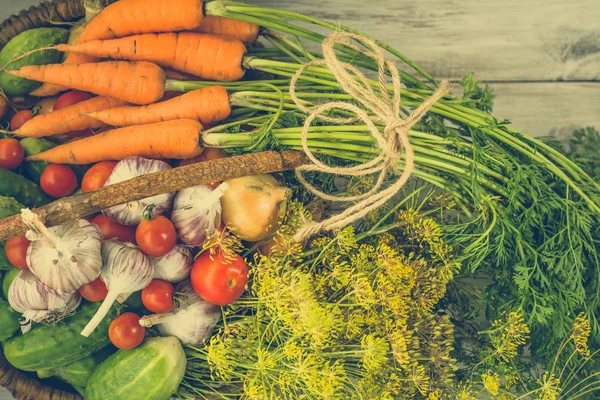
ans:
(541, 56)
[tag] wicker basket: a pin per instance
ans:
(26, 386)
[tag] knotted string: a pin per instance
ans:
(385, 110)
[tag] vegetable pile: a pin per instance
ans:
(209, 292)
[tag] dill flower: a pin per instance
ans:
(399, 339)
(375, 352)
(581, 333)
(435, 395)
(419, 378)
(363, 291)
(463, 391)
(508, 335)
(550, 387)
(491, 382)
(220, 358)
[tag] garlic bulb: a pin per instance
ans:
(197, 212)
(192, 319)
(252, 206)
(175, 266)
(132, 213)
(125, 270)
(64, 257)
(37, 302)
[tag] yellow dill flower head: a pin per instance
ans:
(503, 397)
(463, 391)
(399, 340)
(220, 358)
(363, 291)
(419, 377)
(253, 388)
(375, 352)
(581, 333)
(550, 387)
(292, 350)
(346, 241)
(265, 360)
(435, 395)
(491, 382)
(508, 335)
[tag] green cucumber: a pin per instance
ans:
(22, 43)
(152, 371)
(79, 372)
(10, 276)
(9, 321)
(8, 207)
(21, 189)
(51, 346)
(34, 169)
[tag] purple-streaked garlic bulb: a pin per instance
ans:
(132, 213)
(197, 212)
(175, 266)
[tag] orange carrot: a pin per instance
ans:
(229, 28)
(207, 56)
(131, 17)
(207, 105)
(135, 82)
(171, 139)
(68, 119)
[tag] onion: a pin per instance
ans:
(37, 302)
(192, 320)
(132, 213)
(197, 212)
(175, 266)
(64, 257)
(125, 270)
(252, 206)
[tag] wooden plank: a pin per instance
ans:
(508, 40)
(541, 109)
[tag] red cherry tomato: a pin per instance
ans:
(158, 296)
(94, 291)
(125, 332)
(111, 229)
(58, 180)
(11, 153)
(95, 177)
(217, 280)
(19, 119)
(69, 99)
(156, 237)
(16, 251)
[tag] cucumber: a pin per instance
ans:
(9, 321)
(34, 169)
(26, 41)
(10, 276)
(79, 372)
(22, 189)
(51, 346)
(8, 207)
(152, 371)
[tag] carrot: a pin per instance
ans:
(171, 139)
(68, 119)
(207, 56)
(245, 32)
(131, 17)
(206, 105)
(135, 82)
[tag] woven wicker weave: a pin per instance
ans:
(26, 386)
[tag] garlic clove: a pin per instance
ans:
(175, 266)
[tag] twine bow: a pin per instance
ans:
(385, 110)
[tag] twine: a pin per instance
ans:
(386, 110)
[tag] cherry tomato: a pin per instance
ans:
(19, 119)
(16, 251)
(94, 291)
(111, 229)
(158, 296)
(156, 237)
(217, 280)
(95, 177)
(11, 153)
(58, 180)
(69, 99)
(125, 332)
